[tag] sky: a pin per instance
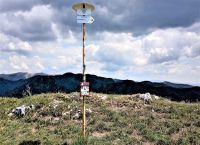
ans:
(155, 40)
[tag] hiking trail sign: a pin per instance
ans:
(85, 89)
(84, 13)
(84, 16)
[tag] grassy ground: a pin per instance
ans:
(120, 120)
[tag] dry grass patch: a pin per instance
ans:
(100, 134)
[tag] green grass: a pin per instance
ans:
(117, 120)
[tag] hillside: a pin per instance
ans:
(19, 76)
(114, 119)
(70, 82)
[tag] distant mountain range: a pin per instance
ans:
(19, 76)
(13, 85)
(177, 85)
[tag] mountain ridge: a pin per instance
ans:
(20, 76)
(70, 82)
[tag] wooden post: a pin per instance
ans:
(84, 66)
(83, 11)
(84, 80)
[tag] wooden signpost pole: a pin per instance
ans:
(84, 79)
(83, 11)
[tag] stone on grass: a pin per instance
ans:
(55, 120)
(76, 115)
(147, 98)
(88, 112)
(66, 115)
(10, 114)
(21, 110)
(104, 97)
(156, 97)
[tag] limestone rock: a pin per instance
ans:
(55, 120)
(21, 110)
(76, 115)
(146, 97)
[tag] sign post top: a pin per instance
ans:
(79, 6)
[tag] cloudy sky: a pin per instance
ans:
(156, 40)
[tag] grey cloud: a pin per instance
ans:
(136, 16)
(33, 25)
(156, 58)
(162, 14)
(194, 51)
(110, 67)
(17, 5)
(21, 52)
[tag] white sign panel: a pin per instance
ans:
(85, 19)
(84, 12)
(84, 88)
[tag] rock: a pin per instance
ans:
(66, 115)
(21, 110)
(77, 116)
(56, 120)
(56, 103)
(88, 112)
(56, 114)
(55, 106)
(134, 96)
(104, 97)
(10, 114)
(30, 107)
(146, 97)
(156, 97)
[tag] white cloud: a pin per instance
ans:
(33, 25)
(120, 49)
(13, 5)
(170, 44)
(41, 12)
(70, 39)
(168, 54)
(18, 63)
(12, 44)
